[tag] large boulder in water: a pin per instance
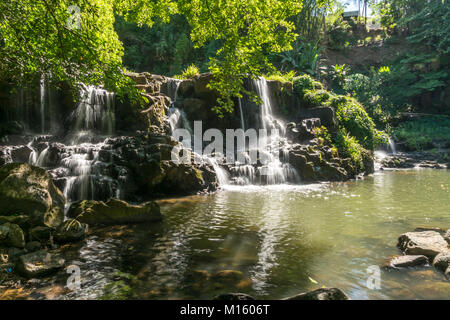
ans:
(321, 294)
(39, 263)
(30, 191)
(427, 243)
(113, 212)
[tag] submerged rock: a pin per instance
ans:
(234, 297)
(427, 243)
(321, 294)
(30, 191)
(113, 212)
(406, 261)
(39, 263)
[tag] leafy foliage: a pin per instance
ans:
(424, 133)
(189, 72)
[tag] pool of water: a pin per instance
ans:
(284, 240)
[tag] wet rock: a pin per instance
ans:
(33, 246)
(447, 236)
(442, 261)
(326, 115)
(425, 228)
(227, 278)
(41, 234)
(21, 154)
(21, 220)
(427, 243)
(321, 294)
(406, 262)
(12, 235)
(113, 212)
(186, 88)
(31, 191)
(39, 263)
(70, 230)
(234, 297)
(15, 253)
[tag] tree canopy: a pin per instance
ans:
(42, 37)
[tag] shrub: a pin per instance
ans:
(305, 82)
(316, 98)
(354, 118)
(282, 77)
(423, 133)
(349, 146)
(188, 73)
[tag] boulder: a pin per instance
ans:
(427, 243)
(39, 263)
(234, 297)
(321, 294)
(41, 234)
(21, 154)
(406, 261)
(113, 212)
(442, 261)
(30, 191)
(21, 220)
(70, 230)
(327, 116)
(447, 236)
(12, 235)
(33, 246)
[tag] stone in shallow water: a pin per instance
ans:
(427, 243)
(442, 261)
(70, 231)
(39, 263)
(447, 236)
(233, 297)
(113, 212)
(407, 261)
(321, 294)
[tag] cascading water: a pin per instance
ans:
(275, 168)
(42, 104)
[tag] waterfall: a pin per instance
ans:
(42, 101)
(242, 114)
(392, 147)
(275, 169)
(172, 88)
(95, 111)
(178, 119)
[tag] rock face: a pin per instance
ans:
(321, 294)
(427, 243)
(39, 264)
(29, 190)
(113, 212)
(406, 262)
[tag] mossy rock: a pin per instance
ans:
(30, 190)
(113, 212)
